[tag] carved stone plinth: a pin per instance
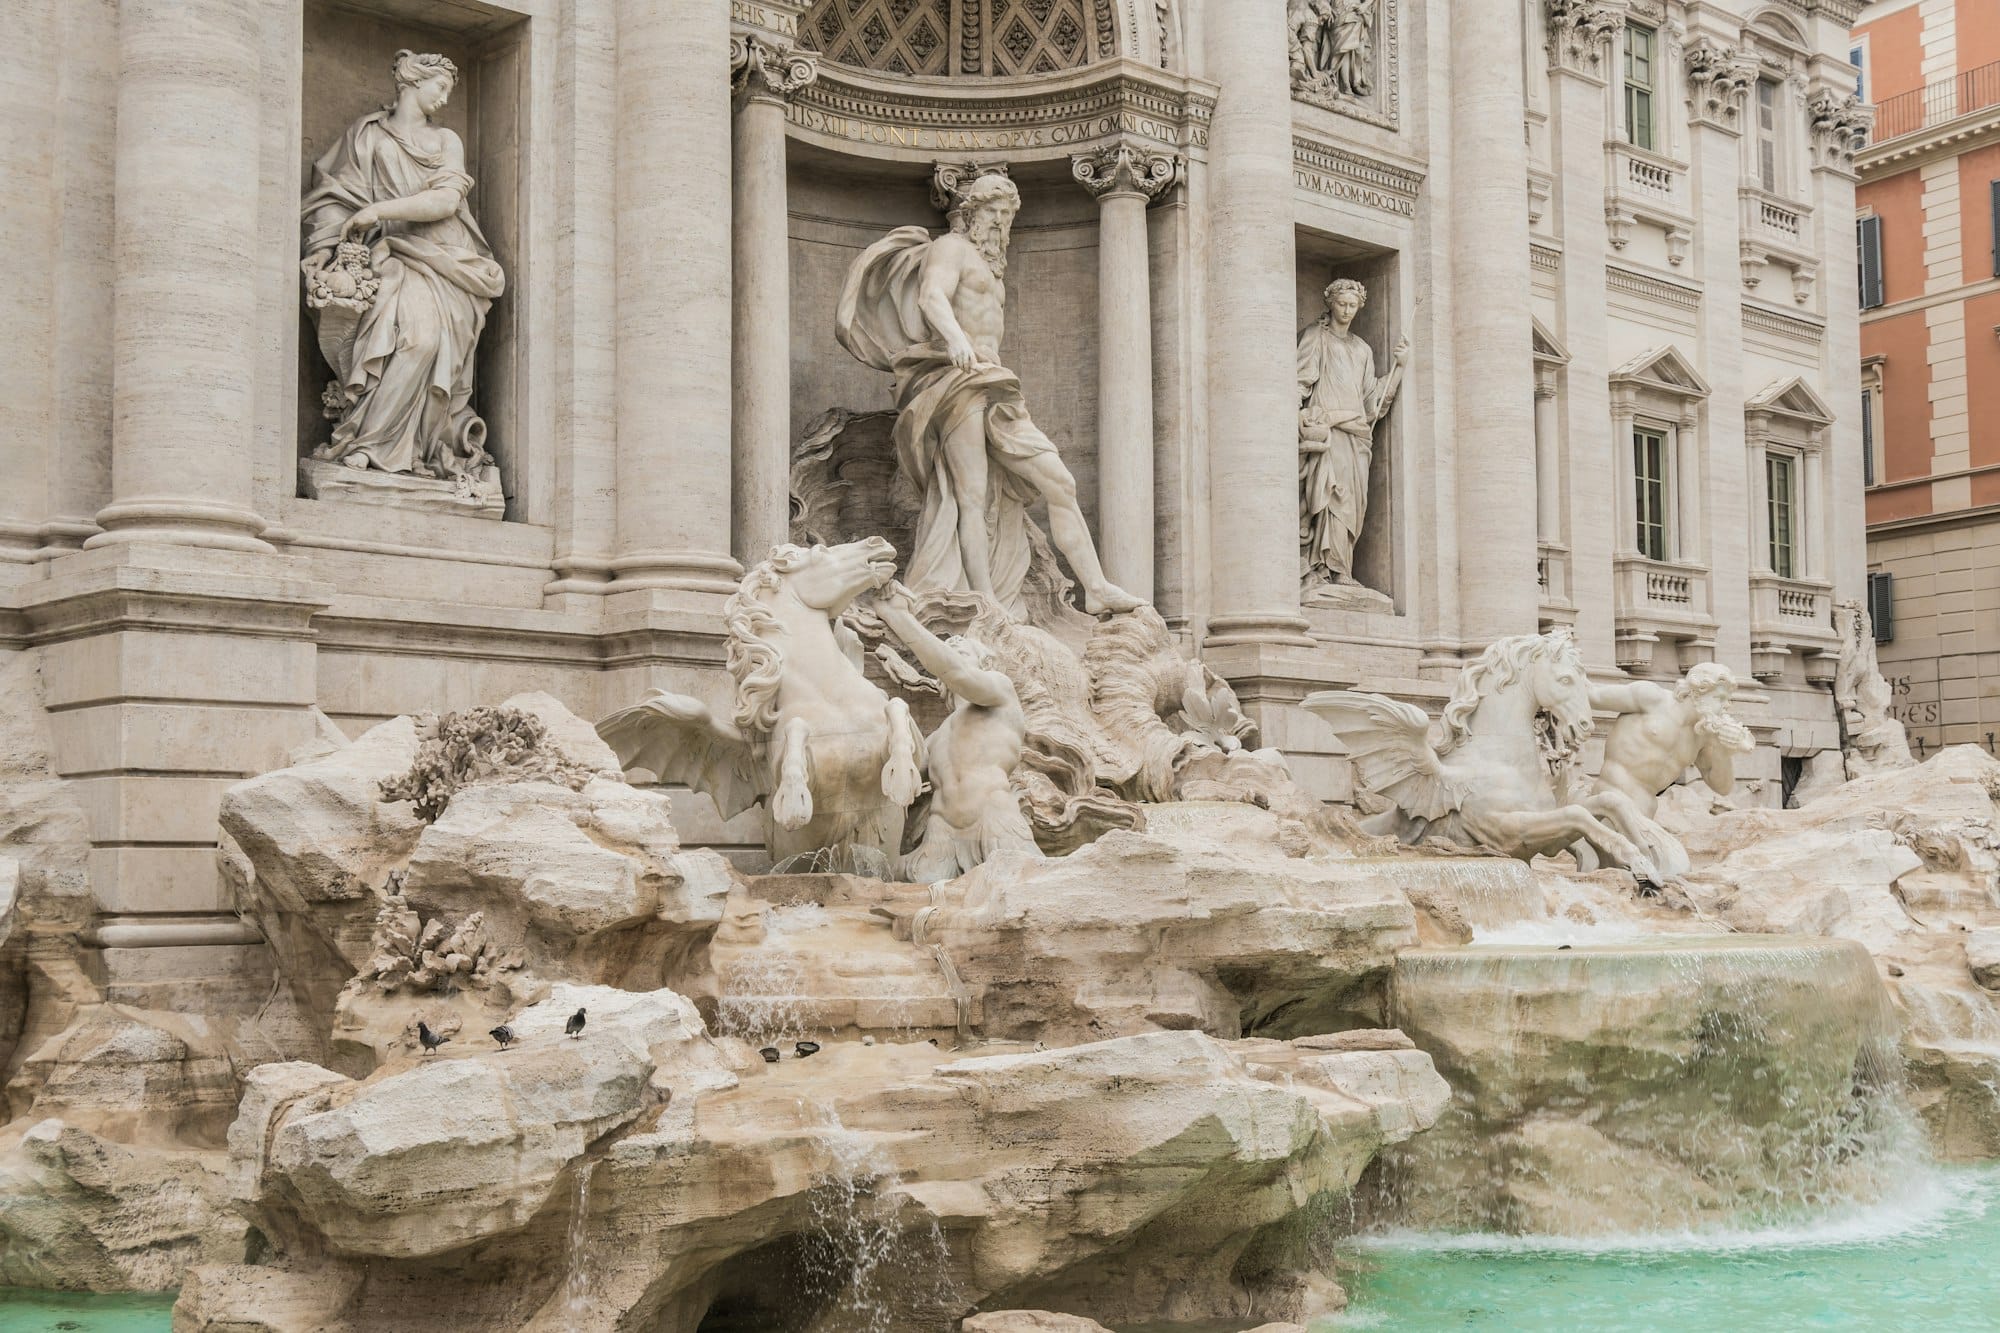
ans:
(478, 496)
(1349, 597)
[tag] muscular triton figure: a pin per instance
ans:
(932, 312)
(1658, 734)
(971, 756)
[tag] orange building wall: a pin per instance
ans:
(1977, 170)
(1895, 51)
(1903, 341)
(1982, 378)
(1978, 23)
(1899, 201)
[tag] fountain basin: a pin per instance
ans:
(1676, 1082)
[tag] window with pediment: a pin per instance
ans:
(976, 38)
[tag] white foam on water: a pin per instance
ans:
(1929, 1202)
(1553, 931)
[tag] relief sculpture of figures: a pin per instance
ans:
(931, 312)
(1332, 44)
(1340, 401)
(399, 280)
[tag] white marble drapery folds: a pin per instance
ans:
(1341, 399)
(403, 366)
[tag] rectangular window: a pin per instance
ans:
(1867, 437)
(1767, 135)
(1858, 57)
(1778, 480)
(1639, 126)
(1868, 243)
(1649, 473)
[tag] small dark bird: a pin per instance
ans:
(770, 1054)
(502, 1034)
(806, 1048)
(574, 1028)
(1561, 947)
(430, 1040)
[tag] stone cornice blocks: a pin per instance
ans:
(1126, 167)
(762, 68)
(1580, 33)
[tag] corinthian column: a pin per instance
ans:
(185, 275)
(1124, 178)
(673, 359)
(763, 74)
(1493, 408)
(1253, 392)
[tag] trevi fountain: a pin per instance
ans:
(877, 666)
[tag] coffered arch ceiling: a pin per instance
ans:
(981, 38)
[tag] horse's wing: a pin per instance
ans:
(1390, 745)
(680, 740)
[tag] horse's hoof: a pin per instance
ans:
(900, 781)
(792, 804)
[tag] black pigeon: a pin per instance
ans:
(502, 1034)
(430, 1040)
(770, 1054)
(574, 1028)
(806, 1048)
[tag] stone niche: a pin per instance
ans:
(841, 205)
(1321, 259)
(350, 46)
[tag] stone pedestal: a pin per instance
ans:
(476, 497)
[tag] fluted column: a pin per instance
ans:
(673, 323)
(762, 75)
(1253, 390)
(1124, 178)
(1493, 412)
(184, 278)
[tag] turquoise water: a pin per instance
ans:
(66, 1312)
(1930, 1259)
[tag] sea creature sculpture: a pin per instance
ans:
(834, 760)
(1520, 712)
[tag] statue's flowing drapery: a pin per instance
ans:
(404, 365)
(878, 321)
(1338, 389)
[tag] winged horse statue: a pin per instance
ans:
(834, 760)
(1520, 711)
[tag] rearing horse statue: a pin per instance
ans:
(1518, 714)
(835, 761)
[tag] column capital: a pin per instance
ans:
(762, 68)
(1126, 167)
(1719, 83)
(1580, 33)
(1840, 126)
(949, 181)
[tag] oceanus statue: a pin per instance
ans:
(834, 760)
(1519, 714)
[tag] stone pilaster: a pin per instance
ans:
(1253, 391)
(763, 73)
(185, 276)
(1124, 178)
(1492, 338)
(674, 299)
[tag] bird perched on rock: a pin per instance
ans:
(770, 1054)
(574, 1028)
(806, 1048)
(429, 1039)
(502, 1034)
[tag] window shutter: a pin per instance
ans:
(1882, 604)
(1868, 237)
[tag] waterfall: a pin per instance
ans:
(577, 1291)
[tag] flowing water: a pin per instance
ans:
(77, 1312)
(1921, 1259)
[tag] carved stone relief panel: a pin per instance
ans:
(1343, 56)
(977, 38)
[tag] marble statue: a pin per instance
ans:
(931, 312)
(1659, 732)
(835, 761)
(971, 757)
(1332, 45)
(1519, 713)
(399, 280)
(1872, 740)
(1340, 400)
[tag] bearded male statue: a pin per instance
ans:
(1659, 733)
(931, 312)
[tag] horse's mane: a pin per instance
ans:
(755, 663)
(1563, 730)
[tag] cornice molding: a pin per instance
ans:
(1339, 173)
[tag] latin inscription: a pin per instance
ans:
(782, 22)
(1336, 188)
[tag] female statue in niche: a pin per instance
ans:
(399, 279)
(1340, 400)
